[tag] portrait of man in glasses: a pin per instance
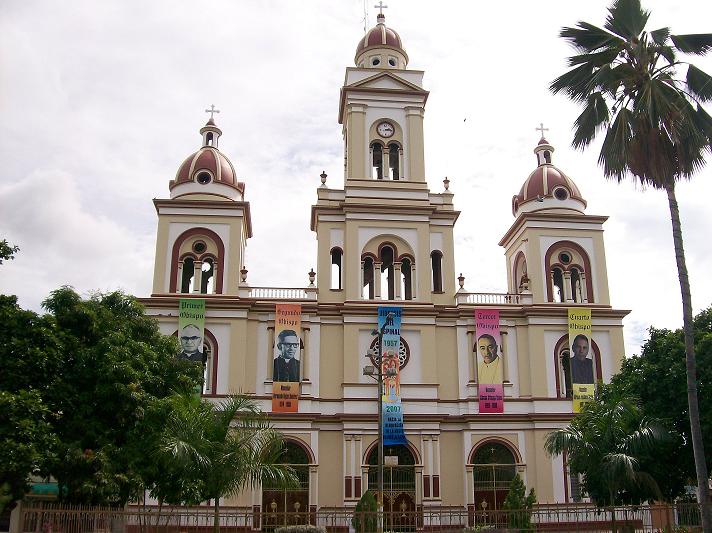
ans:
(286, 365)
(191, 344)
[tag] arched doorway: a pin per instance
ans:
(494, 467)
(288, 507)
(398, 486)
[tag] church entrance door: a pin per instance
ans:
(494, 468)
(398, 487)
(288, 507)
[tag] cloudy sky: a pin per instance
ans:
(100, 102)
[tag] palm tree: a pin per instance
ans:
(605, 443)
(228, 446)
(655, 131)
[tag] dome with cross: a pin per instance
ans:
(547, 188)
(381, 47)
(207, 171)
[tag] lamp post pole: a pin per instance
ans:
(377, 374)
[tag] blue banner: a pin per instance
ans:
(389, 323)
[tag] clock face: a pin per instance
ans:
(386, 129)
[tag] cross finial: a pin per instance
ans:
(212, 110)
(542, 129)
(380, 6)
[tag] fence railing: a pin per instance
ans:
(53, 518)
(491, 298)
(280, 293)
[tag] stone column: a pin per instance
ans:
(584, 287)
(197, 276)
(397, 280)
(377, 280)
(215, 277)
(568, 293)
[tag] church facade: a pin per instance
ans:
(386, 240)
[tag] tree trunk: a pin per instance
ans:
(697, 444)
(216, 516)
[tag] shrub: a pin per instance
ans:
(365, 517)
(519, 505)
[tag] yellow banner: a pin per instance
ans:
(582, 395)
(581, 357)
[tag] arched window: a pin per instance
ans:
(562, 361)
(436, 259)
(336, 256)
(209, 139)
(197, 262)
(394, 161)
(557, 279)
(569, 273)
(407, 279)
(207, 277)
(521, 278)
(494, 467)
(376, 161)
(576, 288)
(209, 363)
(187, 275)
(290, 506)
(387, 255)
(367, 289)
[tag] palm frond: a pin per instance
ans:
(703, 122)
(586, 37)
(626, 18)
(660, 36)
(668, 52)
(613, 155)
(577, 82)
(594, 116)
(694, 43)
(595, 59)
(699, 83)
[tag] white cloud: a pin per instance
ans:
(100, 103)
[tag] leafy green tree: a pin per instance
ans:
(604, 443)
(7, 251)
(657, 377)
(656, 130)
(228, 446)
(365, 517)
(99, 365)
(25, 436)
(520, 505)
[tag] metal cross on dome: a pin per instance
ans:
(380, 6)
(542, 129)
(212, 110)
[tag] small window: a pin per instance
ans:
(375, 61)
(561, 193)
(203, 178)
(565, 258)
(188, 273)
(392, 61)
(367, 291)
(436, 259)
(199, 247)
(336, 256)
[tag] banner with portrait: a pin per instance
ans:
(286, 371)
(191, 329)
(581, 357)
(389, 323)
(490, 368)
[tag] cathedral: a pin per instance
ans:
(473, 381)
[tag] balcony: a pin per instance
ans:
(493, 298)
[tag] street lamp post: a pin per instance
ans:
(377, 374)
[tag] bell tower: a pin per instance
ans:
(204, 226)
(385, 236)
(554, 250)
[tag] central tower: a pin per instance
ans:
(384, 236)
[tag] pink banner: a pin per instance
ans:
(490, 368)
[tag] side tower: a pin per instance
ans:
(384, 236)
(204, 226)
(555, 250)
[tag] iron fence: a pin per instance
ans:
(53, 518)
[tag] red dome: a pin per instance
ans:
(380, 36)
(547, 182)
(210, 159)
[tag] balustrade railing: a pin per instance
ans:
(490, 298)
(280, 293)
